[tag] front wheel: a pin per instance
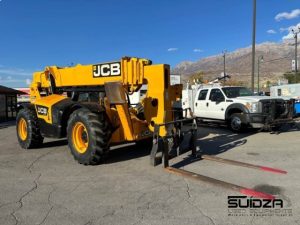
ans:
(236, 122)
(88, 136)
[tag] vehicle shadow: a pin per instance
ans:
(287, 128)
(127, 152)
(221, 140)
(214, 140)
(55, 143)
(7, 124)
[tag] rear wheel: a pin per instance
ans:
(236, 122)
(28, 131)
(88, 136)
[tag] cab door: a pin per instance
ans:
(216, 104)
(200, 108)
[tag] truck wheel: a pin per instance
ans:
(88, 136)
(236, 122)
(28, 131)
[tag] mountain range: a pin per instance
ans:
(277, 59)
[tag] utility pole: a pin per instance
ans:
(224, 65)
(296, 43)
(260, 59)
(253, 44)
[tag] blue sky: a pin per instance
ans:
(37, 33)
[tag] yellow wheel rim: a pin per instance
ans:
(80, 137)
(22, 129)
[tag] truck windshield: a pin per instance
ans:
(233, 92)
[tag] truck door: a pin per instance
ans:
(200, 109)
(216, 104)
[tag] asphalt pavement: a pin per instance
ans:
(47, 186)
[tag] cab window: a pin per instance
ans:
(279, 92)
(88, 97)
(202, 94)
(216, 95)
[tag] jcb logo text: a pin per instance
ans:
(107, 69)
(42, 110)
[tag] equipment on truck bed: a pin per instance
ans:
(288, 91)
(90, 105)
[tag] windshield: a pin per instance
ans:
(233, 92)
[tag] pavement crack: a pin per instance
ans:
(192, 204)
(49, 196)
(36, 160)
(187, 188)
(76, 187)
(88, 222)
(15, 218)
(113, 212)
(53, 204)
(20, 201)
(46, 216)
(209, 218)
(50, 204)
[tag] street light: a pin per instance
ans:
(260, 59)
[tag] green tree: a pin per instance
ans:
(290, 76)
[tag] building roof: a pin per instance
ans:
(7, 90)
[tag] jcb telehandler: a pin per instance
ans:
(89, 105)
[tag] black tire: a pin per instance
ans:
(98, 134)
(236, 122)
(33, 137)
(199, 122)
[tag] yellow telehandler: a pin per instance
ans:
(89, 104)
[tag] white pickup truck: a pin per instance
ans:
(240, 108)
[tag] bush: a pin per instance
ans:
(290, 76)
